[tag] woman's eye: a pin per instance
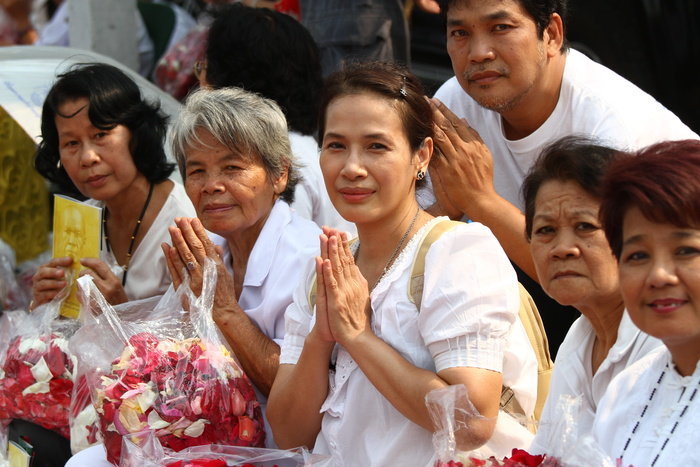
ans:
(544, 230)
(334, 145)
(586, 226)
(636, 256)
(377, 146)
(501, 27)
(458, 33)
(687, 251)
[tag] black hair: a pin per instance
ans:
(576, 158)
(114, 99)
(270, 53)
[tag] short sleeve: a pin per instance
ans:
(298, 318)
(470, 299)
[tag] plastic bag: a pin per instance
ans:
(12, 295)
(455, 419)
(36, 367)
(171, 375)
(574, 449)
(147, 452)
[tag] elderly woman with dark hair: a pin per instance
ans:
(101, 140)
(575, 266)
(650, 415)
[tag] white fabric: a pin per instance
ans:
(572, 376)
(56, 32)
(311, 199)
(285, 244)
(148, 271)
(594, 101)
(469, 306)
(622, 405)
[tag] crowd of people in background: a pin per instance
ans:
(318, 176)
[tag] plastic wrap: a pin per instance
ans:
(147, 452)
(455, 419)
(36, 367)
(12, 295)
(170, 375)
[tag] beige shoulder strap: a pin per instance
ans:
(532, 322)
(415, 284)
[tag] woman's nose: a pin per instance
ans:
(354, 167)
(662, 273)
(565, 246)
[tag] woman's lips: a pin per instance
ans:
(566, 274)
(355, 195)
(96, 180)
(216, 208)
(666, 305)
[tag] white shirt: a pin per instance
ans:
(467, 317)
(621, 407)
(148, 270)
(311, 199)
(594, 101)
(573, 376)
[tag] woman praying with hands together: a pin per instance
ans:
(358, 349)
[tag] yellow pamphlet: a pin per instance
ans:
(17, 456)
(77, 231)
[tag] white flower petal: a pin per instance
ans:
(41, 371)
(196, 429)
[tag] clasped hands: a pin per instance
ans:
(343, 311)
(190, 246)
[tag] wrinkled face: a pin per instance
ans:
(99, 162)
(660, 278)
(366, 160)
(572, 256)
(232, 193)
(497, 54)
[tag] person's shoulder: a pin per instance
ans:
(616, 106)
(180, 202)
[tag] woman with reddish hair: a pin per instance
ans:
(650, 415)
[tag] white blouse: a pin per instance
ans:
(470, 303)
(675, 407)
(148, 270)
(573, 376)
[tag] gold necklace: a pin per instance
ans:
(396, 250)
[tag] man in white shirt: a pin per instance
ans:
(517, 87)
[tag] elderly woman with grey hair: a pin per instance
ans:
(236, 163)
(234, 156)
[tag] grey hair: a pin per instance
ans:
(243, 122)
